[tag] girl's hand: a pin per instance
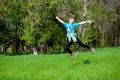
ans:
(57, 17)
(90, 21)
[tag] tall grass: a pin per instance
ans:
(104, 65)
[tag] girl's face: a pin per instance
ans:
(71, 20)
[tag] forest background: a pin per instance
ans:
(30, 25)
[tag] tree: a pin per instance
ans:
(30, 25)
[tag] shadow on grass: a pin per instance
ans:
(30, 53)
(17, 54)
(86, 61)
(78, 63)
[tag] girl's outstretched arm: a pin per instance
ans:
(84, 22)
(59, 20)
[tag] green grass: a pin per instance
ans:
(104, 65)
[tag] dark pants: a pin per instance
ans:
(68, 45)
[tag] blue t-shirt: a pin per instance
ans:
(70, 27)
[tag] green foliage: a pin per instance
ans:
(104, 65)
(33, 21)
(28, 35)
(91, 34)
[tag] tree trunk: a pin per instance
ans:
(103, 38)
(35, 51)
(82, 29)
(2, 48)
(101, 30)
(118, 24)
(26, 48)
(8, 45)
(17, 45)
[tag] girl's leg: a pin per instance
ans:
(67, 47)
(85, 46)
(81, 44)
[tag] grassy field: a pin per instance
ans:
(104, 65)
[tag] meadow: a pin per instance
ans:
(103, 65)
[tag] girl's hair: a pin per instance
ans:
(72, 17)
